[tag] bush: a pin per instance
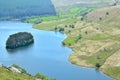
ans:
(97, 65)
(107, 13)
(56, 28)
(43, 77)
(100, 18)
(40, 76)
(61, 30)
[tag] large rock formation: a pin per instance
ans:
(19, 40)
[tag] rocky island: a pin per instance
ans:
(19, 40)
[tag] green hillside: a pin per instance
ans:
(26, 8)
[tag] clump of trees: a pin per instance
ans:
(59, 29)
(19, 40)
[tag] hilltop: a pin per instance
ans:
(26, 8)
(81, 2)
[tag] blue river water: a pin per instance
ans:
(46, 55)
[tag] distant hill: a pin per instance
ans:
(82, 2)
(20, 8)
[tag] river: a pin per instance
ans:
(46, 55)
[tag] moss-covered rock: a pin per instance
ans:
(19, 40)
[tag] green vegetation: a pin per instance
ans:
(62, 14)
(52, 24)
(70, 41)
(99, 37)
(6, 74)
(98, 58)
(114, 72)
(97, 65)
(42, 18)
(23, 71)
(43, 77)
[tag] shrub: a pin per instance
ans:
(107, 13)
(100, 18)
(61, 30)
(43, 77)
(97, 65)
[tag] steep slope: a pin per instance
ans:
(26, 8)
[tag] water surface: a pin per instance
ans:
(46, 55)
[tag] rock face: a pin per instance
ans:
(19, 40)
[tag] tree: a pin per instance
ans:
(65, 25)
(107, 13)
(82, 19)
(97, 65)
(86, 32)
(61, 30)
(55, 28)
(79, 37)
(100, 18)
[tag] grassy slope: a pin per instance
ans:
(101, 45)
(9, 75)
(95, 41)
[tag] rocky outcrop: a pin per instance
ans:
(19, 40)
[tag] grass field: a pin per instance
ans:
(61, 14)
(55, 23)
